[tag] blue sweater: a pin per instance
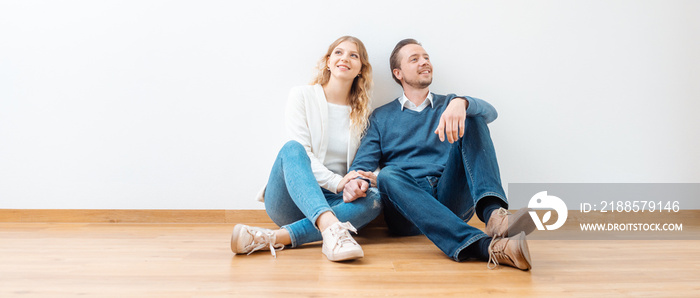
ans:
(405, 138)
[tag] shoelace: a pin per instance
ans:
(340, 232)
(263, 238)
(495, 255)
(502, 212)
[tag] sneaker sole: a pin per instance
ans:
(234, 237)
(343, 257)
(522, 223)
(525, 250)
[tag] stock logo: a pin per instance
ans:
(542, 201)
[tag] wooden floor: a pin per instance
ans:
(175, 260)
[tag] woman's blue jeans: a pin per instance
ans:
(294, 200)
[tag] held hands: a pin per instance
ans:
(452, 120)
(369, 175)
(354, 189)
(349, 176)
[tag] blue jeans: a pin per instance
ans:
(294, 200)
(440, 207)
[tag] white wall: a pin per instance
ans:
(179, 104)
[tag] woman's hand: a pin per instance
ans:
(349, 176)
(369, 175)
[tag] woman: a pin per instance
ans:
(325, 122)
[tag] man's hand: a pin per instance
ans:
(355, 189)
(369, 175)
(452, 120)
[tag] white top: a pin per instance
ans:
(405, 103)
(338, 137)
(306, 121)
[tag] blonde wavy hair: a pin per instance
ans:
(361, 87)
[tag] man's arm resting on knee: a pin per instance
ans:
(452, 119)
(480, 108)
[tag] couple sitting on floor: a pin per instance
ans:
(437, 166)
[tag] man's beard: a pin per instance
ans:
(419, 84)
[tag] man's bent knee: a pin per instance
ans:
(390, 177)
(388, 173)
(475, 120)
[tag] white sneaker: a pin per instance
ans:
(338, 245)
(246, 239)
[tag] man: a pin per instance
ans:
(433, 187)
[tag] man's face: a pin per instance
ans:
(416, 70)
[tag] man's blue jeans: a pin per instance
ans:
(440, 207)
(294, 200)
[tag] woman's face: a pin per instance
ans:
(344, 62)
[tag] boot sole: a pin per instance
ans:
(525, 250)
(234, 237)
(522, 223)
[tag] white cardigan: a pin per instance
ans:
(306, 121)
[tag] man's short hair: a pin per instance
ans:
(394, 62)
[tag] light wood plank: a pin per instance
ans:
(184, 260)
(260, 216)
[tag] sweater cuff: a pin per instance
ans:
(471, 108)
(365, 180)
